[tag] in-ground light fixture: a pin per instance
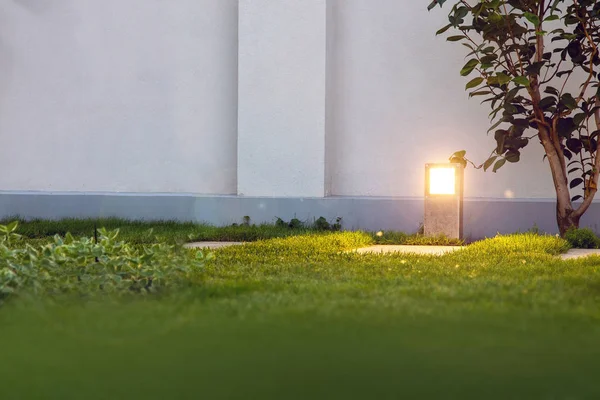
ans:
(444, 200)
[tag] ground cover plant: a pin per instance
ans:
(172, 232)
(302, 316)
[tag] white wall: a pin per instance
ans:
(118, 95)
(398, 102)
(282, 93)
(342, 97)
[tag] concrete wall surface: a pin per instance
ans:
(399, 102)
(114, 95)
(282, 99)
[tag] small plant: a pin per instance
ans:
(337, 226)
(7, 233)
(246, 220)
(534, 230)
(582, 238)
(85, 267)
(321, 224)
(295, 223)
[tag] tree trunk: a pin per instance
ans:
(565, 215)
(566, 218)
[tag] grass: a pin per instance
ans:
(298, 317)
(143, 232)
(172, 232)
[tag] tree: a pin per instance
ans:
(536, 63)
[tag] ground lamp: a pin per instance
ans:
(444, 200)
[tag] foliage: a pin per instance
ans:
(170, 232)
(8, 233)
(501, 319)
(418, 239)
(582, 238)
(321, 224)
(536, 63)
(82, 266)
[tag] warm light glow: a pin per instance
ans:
(442, 180)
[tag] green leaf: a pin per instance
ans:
(575, 182)
(12, 226)
(488, 163)
(435, 3)
(547, 102)
(462, 12)
(459, 154)
(551, 90)
(499, 164)
(444, 29)
(535, 68)
(534, 19)
(479, 93)
(458, 160)
(474, 83)
(497, 124)
(502, 78)
(574, 145)
(551, 18)
(469, 67)
(513, 156)
(521, 80)
(456, 38)
(568, 101)
(579, 118)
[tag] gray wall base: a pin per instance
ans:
(482, 217)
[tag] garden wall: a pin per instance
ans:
(215, 109)
(118, 95)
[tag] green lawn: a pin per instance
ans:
(298, 317)
(142, 232)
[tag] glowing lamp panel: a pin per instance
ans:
(442, 180)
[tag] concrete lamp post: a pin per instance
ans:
(444, 200)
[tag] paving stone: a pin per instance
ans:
(426, 250)
(210, 245)
(579, 253)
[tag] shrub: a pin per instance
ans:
(295, 223)
(583, 238)
(321, 224)
(83, 266)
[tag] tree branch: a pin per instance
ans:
(592, 187)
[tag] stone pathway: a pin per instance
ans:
(579, 253)
(425, 250)
(390, 249)
(441, 250)
(210, 245)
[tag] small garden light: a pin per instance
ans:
(444, 200)
(442, 180)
